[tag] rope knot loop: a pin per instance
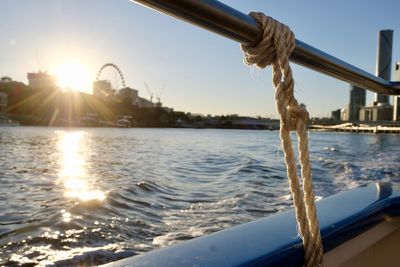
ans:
(274, 34)
(295, 115)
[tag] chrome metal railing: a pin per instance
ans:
(224, 20)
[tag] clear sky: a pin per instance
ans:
(204, 72)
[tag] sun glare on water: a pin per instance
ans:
(73, 75)
(73, 172)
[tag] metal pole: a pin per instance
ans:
(384, 61)
(224, 20)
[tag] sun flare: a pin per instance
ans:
(73, 75)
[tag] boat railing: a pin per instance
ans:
(226, 21)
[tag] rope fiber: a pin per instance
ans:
(274, 48)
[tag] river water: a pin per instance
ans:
(85, 196)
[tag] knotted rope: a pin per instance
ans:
(276, 45)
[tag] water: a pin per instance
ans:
(87, 196)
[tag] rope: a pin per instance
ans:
(276, 45)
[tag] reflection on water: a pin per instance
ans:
(73, 171)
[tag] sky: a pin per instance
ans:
(203, 72)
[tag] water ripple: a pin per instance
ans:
(90, 196)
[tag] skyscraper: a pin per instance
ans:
(357, 100)
(384, 61)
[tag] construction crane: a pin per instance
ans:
(150, 93)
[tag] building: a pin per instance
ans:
(254, 123)
(42, 80)
(144, 103)
(384, 62)
(134, 98)
(5, 79)
(379, 112)
(167, 109)
(3, 96)
(102, 89)
(396, 100)
(3, 103)
(357, 100)
(344, 114)
(336, 115)
(396, 108)
(131, 94)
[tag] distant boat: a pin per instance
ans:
(124, 122)
(5, 121)
(89, 120)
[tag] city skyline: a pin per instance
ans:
(204, 71)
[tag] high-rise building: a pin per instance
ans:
(357, 100)
(381, 110)
(41, 80)
(384, 61)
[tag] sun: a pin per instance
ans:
(73, 75)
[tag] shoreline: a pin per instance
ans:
(347, 127)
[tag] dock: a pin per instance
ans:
(355, 128)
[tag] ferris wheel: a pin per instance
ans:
(118, 71)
